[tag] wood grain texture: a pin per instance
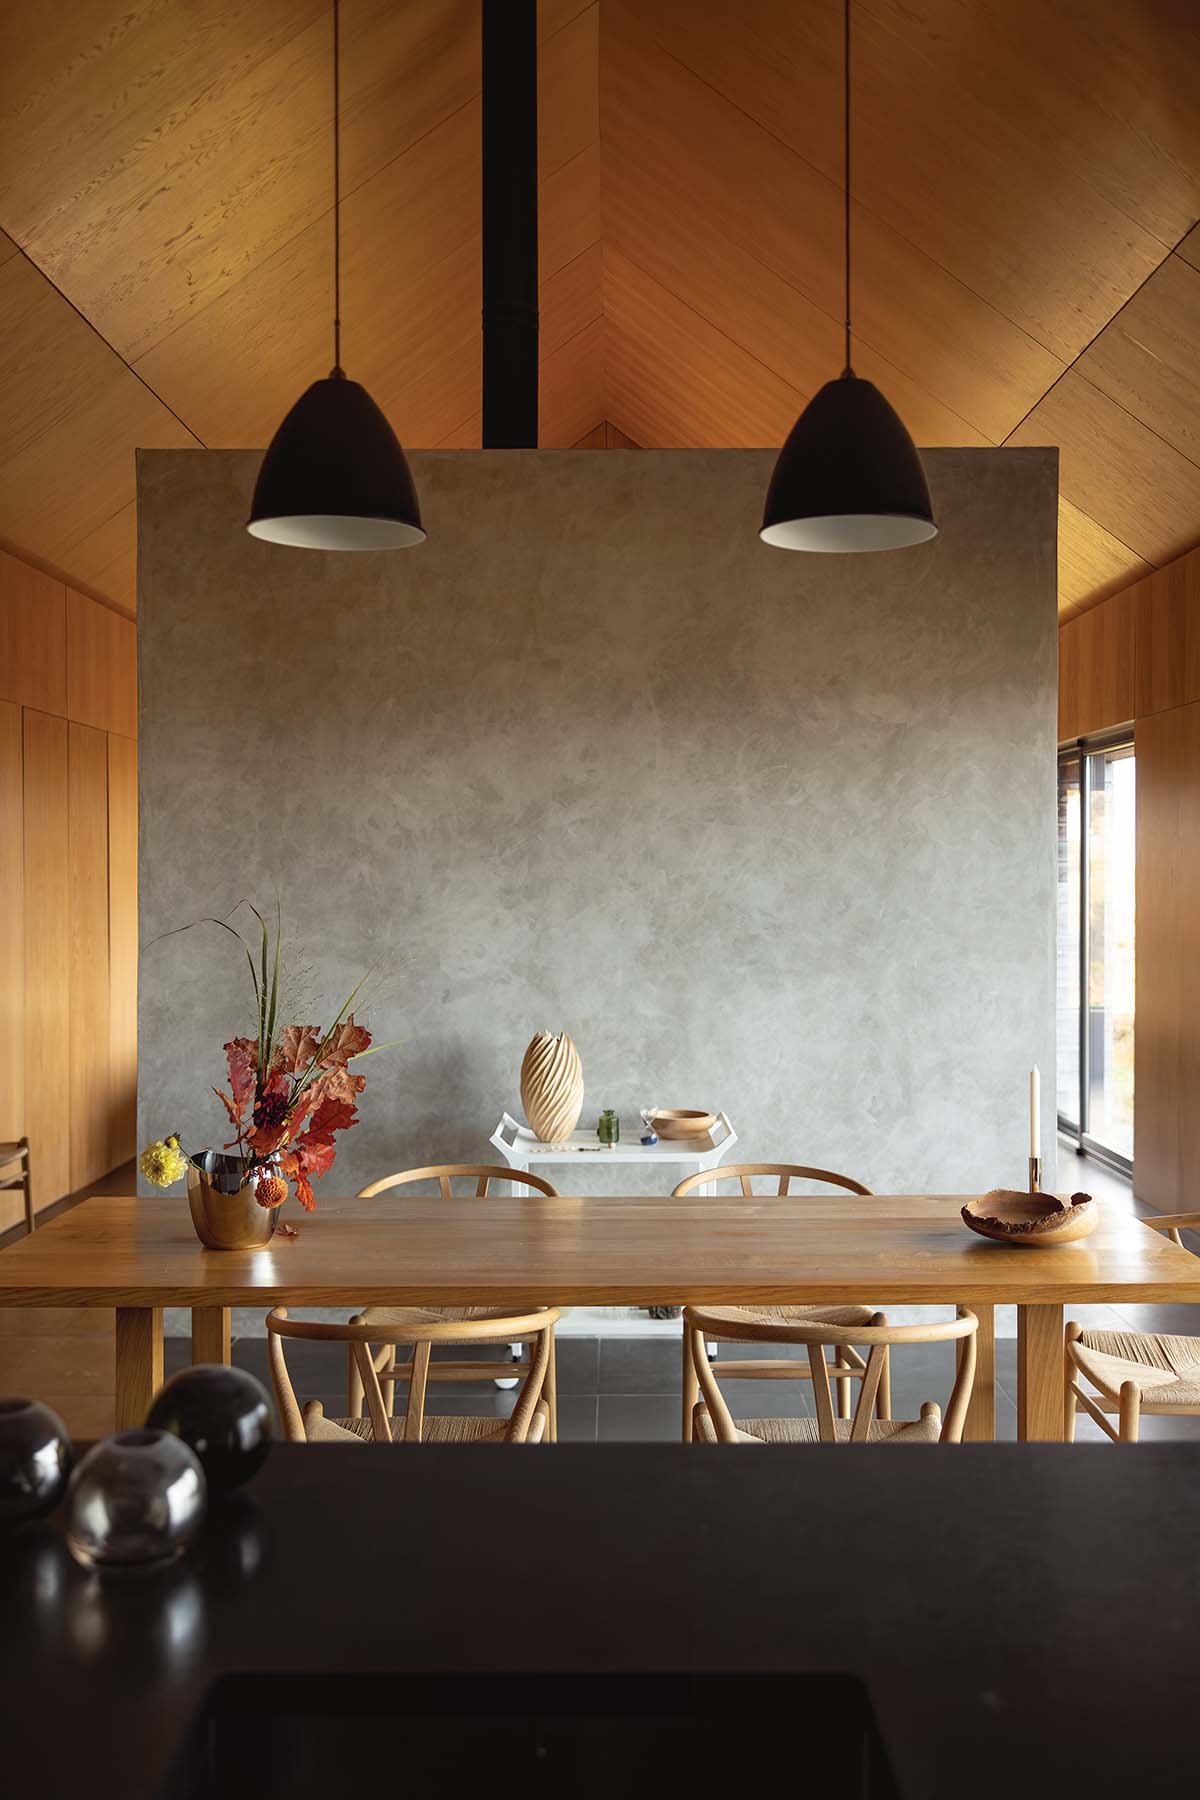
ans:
(1041, 1383)
(63, 1355)
(615, 438)
(211, 1341)
(87, 837)
(71, 415)
(12, 948)
(122, 948)
(1092, 564)
(138, 1363)
(900, 1249)
(1167, 1148)
(47, 956)
(1096, 674)
(1148, 359)
(1118, 470)
(1168, 636)
(33, 637)
(101, 666)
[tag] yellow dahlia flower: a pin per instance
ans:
(163, 1162)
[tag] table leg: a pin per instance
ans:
(1040, 1373)
(980, 1425)
(139, 1364)
(210, 1334)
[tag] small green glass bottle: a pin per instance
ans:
(609, 1128)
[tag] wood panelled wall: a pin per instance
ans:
(68, 882)
(1137, 657)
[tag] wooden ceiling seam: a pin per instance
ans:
(1172, 250)
(1007, 207)
(99, 335)
(881, 219)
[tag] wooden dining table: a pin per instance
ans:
(138, 1256)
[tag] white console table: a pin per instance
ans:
(522, 1150)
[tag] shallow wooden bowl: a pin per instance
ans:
(1038, 1220)
(674, 1122)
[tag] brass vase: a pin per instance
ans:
(224, 1205)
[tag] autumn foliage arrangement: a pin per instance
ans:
(291, 1090)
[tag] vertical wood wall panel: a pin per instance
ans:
(122, 947)
(47, 956)
(1168, 636)
(1167, 1145)
(1096, 651)
(12, 948)
(91, 1081)
(101, 666)
(33, 637)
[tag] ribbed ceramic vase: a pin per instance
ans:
(552, 1086)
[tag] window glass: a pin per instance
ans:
(1110, 852)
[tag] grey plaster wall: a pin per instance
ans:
(766, 832)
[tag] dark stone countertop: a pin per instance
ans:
(1013, 1610)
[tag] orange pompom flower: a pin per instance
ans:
(270, 1190)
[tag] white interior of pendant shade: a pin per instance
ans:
(336, 531)
(848, 532)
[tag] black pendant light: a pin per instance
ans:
(849, 476)
(334, 476)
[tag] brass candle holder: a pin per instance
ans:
(1035, 1174)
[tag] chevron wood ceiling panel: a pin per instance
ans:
(1091, 563)
(168, 168)
(71, 413)
(1148, 359)
(1023, 174)
(1117, 470)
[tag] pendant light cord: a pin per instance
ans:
(337, 196)
(846, 166)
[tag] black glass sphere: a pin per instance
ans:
(224, 1415)
(35, 1459)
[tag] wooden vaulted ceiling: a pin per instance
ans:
(1027, 254)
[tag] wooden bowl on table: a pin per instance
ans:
(673, 1122)
(1034, 1220)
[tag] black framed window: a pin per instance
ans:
(1097, 815)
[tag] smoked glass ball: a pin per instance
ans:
(223, 1414)
(35, 1459)
(136, 1500)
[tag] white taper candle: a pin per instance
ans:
(1035, 1111)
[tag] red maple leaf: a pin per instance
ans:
(304, 1193)
(345, 1040)
(334, 1084)
(315, 1156)
(242, 1056)
(331, 1116)
(233, 1111)
(297, 1047)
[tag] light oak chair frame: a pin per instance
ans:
(847, 1365)
(389, 1370)
(14, 1173)
(701, 1323)
(1132, 1399)
(530, 1419)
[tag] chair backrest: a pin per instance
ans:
(423, 1333)
(445, 1174)
(1171, 1224)
(741, 1324)
(14, 1173)
(784, 1174)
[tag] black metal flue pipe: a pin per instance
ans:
(510, 225)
